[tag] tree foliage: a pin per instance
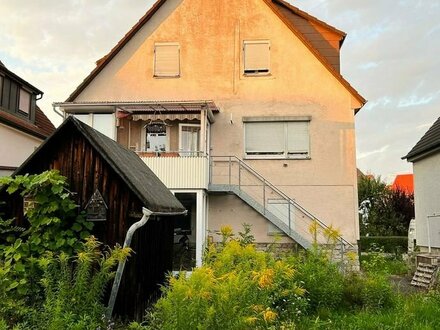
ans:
(384, 211)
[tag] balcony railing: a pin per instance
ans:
(179, 169)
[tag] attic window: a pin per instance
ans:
(256, 57)
(167, 60)
(96, 208)
(25, 101)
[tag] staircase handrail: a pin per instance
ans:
(278, 191)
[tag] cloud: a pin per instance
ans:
(390, 55)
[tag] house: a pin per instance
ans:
(404, 182)
(22, 123)
(112, 185)
(239, 107)
(425, 156)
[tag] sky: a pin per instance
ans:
(391, 56)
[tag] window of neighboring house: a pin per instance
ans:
(271, 139)
(256, 57)
(1, 89)
(189, 139)
(102, 122)
(167, 60)
(156, 138)
(24, 104)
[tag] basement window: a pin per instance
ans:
(256, 57)
(167, 60)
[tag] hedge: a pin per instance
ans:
(389, 244)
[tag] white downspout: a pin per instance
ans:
(117, 281)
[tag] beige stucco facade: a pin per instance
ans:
(211, 35)
(427, 199)
(16, 147)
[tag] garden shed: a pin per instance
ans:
(112, 185)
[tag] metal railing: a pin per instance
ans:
(234, 175)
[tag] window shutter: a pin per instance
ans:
(298, 141)
(166, 60)
(267, 138)
(25, 101)
(256, 56)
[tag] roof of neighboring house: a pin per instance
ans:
(273, 4)
(404, 182)
(42, 128)
(428, 144)
(19, 79)
(127, 164)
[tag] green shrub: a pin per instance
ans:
(74, 288)
(388, 244)
(53, 224)
(237, 288)
(322, 280)
(379, 263)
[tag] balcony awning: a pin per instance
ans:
(145, 110)
(167, 116)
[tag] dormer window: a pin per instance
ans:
(167, 60)
(24, 101)
(256, 55)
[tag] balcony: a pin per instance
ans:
(179, 170)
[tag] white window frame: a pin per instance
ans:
(262, 73)
(144, 139)
(189, 153)
(284, 121)
(158, 44)
(91, 119)
(28, 111)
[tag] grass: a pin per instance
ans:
(418, 312)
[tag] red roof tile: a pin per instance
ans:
(41, 129)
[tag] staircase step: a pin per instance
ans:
(422, 274)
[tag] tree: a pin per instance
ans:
(383, 211)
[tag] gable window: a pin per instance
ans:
(24, 101)
(256, 57)
(277, 139)
(167, 60)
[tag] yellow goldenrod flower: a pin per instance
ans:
(269, 316)
(226, 231)
(266, 278)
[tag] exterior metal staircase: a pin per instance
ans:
(229, 174)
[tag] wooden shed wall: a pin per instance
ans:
(87, 171)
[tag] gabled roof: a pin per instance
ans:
(42, 128)
(428, 144)
(128, 166)
(273, 4)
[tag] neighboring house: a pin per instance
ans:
(22, 124)
(112, 185)
(239, 107)
(425, 157)
(404, 182)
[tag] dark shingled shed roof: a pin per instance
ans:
(429, 143)
(131, 169)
